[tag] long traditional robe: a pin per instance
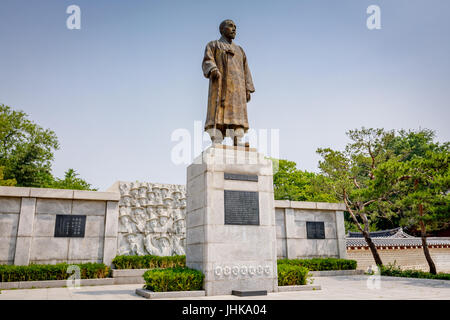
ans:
(227, 98)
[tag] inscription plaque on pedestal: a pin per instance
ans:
(70, 226)
(241, 177)
(241, 207)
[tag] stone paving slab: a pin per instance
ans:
(361, 287)
(53, 283)
(330, 273)
(170, 294)
(305, 287)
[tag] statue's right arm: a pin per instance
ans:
(209, 62)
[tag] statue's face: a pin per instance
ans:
(229, 31)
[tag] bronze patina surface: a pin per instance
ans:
(230, 84)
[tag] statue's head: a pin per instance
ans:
(228, 29)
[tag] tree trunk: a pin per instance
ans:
(426, 251)
(365, 232)
(372, 246)
(373, 249)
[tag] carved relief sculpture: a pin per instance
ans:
(152, 219)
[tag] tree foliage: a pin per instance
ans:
(26, 154)
(352, 170)
(411, 144)
(3, 182)
(26, 149)
(401, 177)
(351, 173)
(356, 168)
(419, 193)
(71, 181)
(421, 181)
(291, 183)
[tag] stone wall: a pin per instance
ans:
(27, 226)
(9, 222)
(148, 219)
(152, 221)
(292, 241)
(407, 258)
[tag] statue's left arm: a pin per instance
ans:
(248, 77)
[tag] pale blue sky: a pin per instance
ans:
(115, 90)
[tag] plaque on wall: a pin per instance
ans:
(72, 226)
(241, 177)
(315, 230)
(241, 207)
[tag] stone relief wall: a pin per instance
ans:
(152, 219)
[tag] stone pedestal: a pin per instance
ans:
(231, 236)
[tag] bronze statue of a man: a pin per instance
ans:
(230, 85)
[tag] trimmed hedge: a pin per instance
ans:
(321, 264)
(292, 275)
(395, 271)
(173, 279)
(42, 272)
(148, 262)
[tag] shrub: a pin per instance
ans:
(173, 279)
(395, 271)
(321, 264)
(40, 272)
(148, 262)
(292, 275)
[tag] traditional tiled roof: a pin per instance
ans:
(393, 238)
(391, 233)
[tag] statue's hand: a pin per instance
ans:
(215, 74)
(248, 96)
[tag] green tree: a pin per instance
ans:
(291, 183)
(71, 181)
(9, 182)
(405, 146)
(350, 173)
(419, 190)
(364, 177)
(410, 144)
(26, 149)
(26, 154)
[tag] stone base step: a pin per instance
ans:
(245, 293)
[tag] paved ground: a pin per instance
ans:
(338, 287)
